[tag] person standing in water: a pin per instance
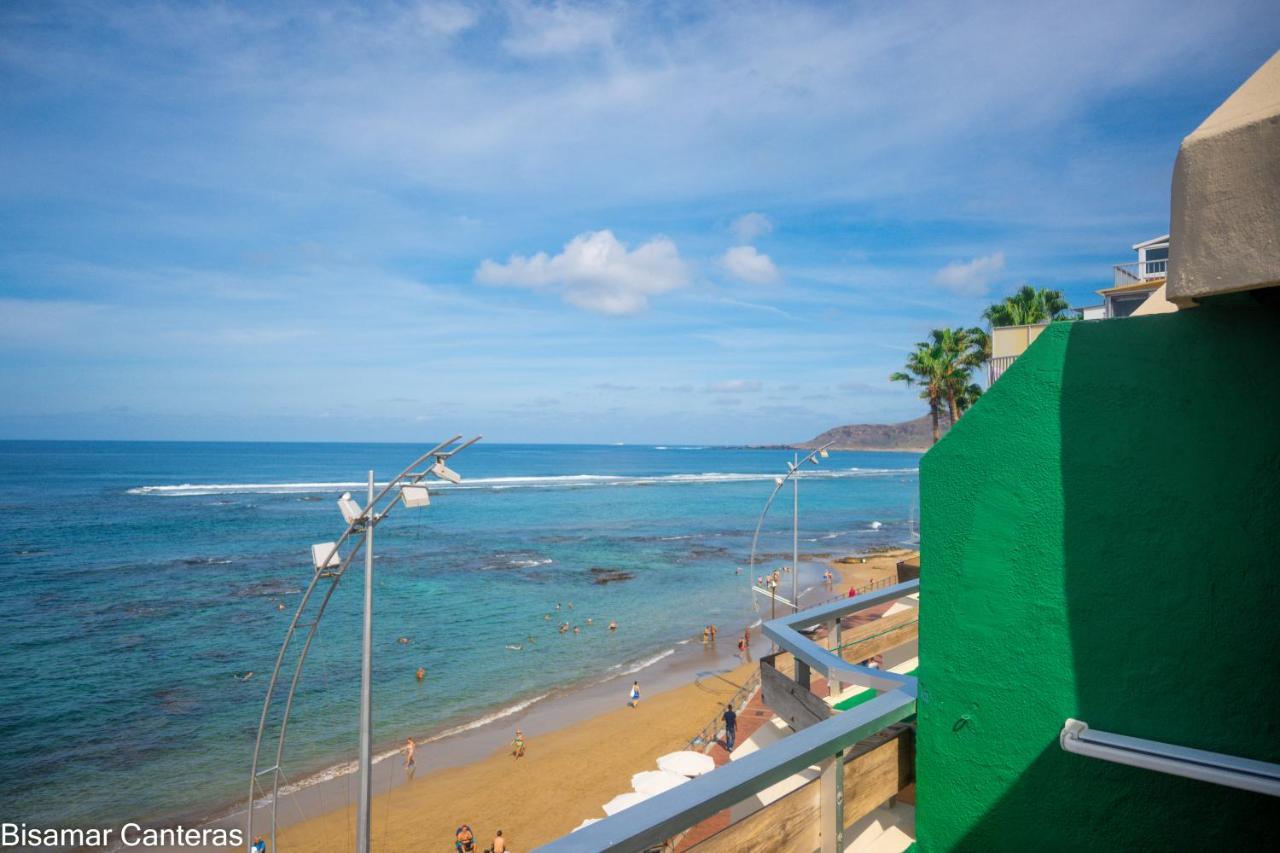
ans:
(635, 694)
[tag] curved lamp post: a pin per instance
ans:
(407, 488)
(793, 469)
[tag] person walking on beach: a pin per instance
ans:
(635, 694)
(410, 765)
(517, 745)
(730, 726)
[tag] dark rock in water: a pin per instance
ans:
(603, 576)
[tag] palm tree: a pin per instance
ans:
(1027, 307)
(928, 367)
(963, 350)
(968, 396)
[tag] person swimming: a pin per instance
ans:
(613, 624)
(244, 676)
(422, 673)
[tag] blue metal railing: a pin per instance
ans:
(655, 820)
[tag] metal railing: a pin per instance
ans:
(997, 366)
(1139, 271)
(653, 821)
(1229, 770)
(710, 733)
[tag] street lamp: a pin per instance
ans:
(793, 468)
(407, 488)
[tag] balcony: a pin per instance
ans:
(837, 766)
(1140, 271)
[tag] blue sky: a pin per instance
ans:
(719, 222)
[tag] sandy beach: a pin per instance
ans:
(567, 773)
(564, 778)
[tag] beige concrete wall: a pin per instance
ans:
(1225, 208)
(1157, 303)
(1009, 341)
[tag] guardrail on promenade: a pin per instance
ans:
(653, 821)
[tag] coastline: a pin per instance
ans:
(463, 766)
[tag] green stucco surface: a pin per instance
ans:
(1101, 540)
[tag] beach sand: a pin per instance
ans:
(851, 571)
(564, 778)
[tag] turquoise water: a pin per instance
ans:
(142, 583)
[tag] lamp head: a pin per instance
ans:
(443, 472)
(350, 509)
(415, 496)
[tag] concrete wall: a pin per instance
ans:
(1101, 541)
(1225, 207)
(1013, 340)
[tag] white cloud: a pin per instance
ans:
(596, 272)
(749, 226)
(970, 278)
(447, 18)
(557, 29)
(735, 386)
(746, 263)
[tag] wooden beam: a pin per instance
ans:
(880, 635)
(875, 770)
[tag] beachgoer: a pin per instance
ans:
(635, 694)
(557, 605)
(499, 843)
(853, 593)
(421, 673)
(742, 646)
(730, 727)
(570, 605)
(713, 633)
(517, 745)
(404, 641)
(464, 840)
(259, 845)
(546, 617)
(706, 633)
(280, 606)
(613, 625)
(577, 630)
(588, 620)
(410, 763)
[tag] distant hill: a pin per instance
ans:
(907, 435)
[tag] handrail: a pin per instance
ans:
(783, 632)
(1228, 770)
(707, 735)
(658, 818)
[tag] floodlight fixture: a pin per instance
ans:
(415, 496)
(325, 556)
(777, 481)
(351, 510)
(444, 473)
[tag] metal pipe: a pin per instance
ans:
(1228, 770)
(795, 532)
(366, 689)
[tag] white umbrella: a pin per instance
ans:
(586, 823)
(687, 763)
(624, 801)
(656, 781)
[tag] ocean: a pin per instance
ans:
(143, 584)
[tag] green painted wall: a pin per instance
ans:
(1101, 540)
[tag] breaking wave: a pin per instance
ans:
(567, 481)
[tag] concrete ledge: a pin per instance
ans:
(1225, 209)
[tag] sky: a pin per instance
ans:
(560, 222)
